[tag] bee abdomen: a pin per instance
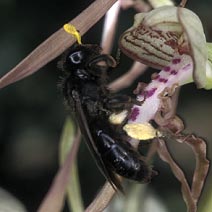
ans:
(123, 160)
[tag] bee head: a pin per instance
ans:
(79, 56)
(86, 59)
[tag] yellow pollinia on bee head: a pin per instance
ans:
(71, 29)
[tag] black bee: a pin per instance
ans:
(84, 88)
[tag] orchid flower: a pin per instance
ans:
(171, 39)
(167, 38)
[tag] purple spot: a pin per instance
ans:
(176, 61)
(167, 69)
(173, 72)
(149, 93)
(162, 80)
(134, 113)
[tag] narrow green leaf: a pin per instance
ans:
(66, 139)
(54, 199)
(206, 205)
(209, 47)
(73, 190)
(209, 68)
(74, 196)
(208, 84)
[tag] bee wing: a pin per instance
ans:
(83, 124)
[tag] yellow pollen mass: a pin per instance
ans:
(71, 29)
(118, 118)
(144, 131)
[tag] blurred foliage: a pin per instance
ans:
(9, 203)
(206, 204)
(74, 196)
(137, 199)
(32, 111)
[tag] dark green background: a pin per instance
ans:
(32, 111)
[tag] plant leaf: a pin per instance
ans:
(73, 189)
(207, 201)
(9, 203)
(54, 199)
(102, 199)
(209, 68)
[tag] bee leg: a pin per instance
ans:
(117, 103)
(119, 107)
(68, 93)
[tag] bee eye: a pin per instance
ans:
(76, 57)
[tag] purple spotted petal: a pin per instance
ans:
(178, 72)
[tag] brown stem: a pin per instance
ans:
(141, 6)
(138, 5)
(174, 103)
(152, 150)
(102, 200)
(164, 154)
(202, 165)
(109, 29)
(183, 3)
(127, 79)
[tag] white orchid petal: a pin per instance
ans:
(208, 84)
(158, 35)
(160, 3)
(196, 38)
(161, 16)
